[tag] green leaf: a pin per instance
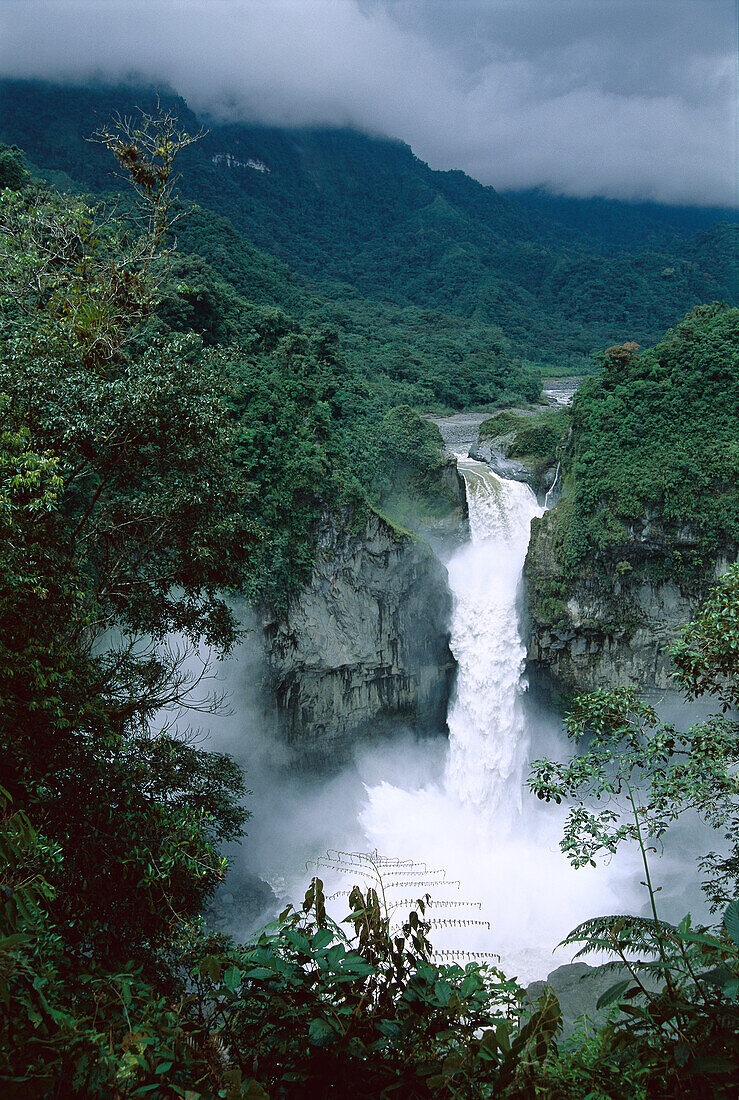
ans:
(210, 967)
(322, 939)
(442, 992)
(470, 984)
(258, 973)
(718, 975)
(697, 937)
(731, 920)
(731, 989)
(232, 978)
(612, 994)
(320, 1033)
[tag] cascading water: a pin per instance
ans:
(487, 735)
(478, 820)
(462, 806)
(553, 487)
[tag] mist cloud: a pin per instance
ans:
(635, 99)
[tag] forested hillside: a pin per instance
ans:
(653, 443)
(173, 424)
(369, 223)
(614, 224)
(649, 511)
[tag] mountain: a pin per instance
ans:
(610, 223)
(365, 226)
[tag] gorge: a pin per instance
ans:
(299, 577)
(387, 779)
(460, 804)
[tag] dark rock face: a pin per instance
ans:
(452, 482)
(495, 452)
(613, 623)
(365, 647)
(578, 987)
(242, 903)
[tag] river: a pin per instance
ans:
(477, 819)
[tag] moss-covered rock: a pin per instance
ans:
(422, 488)
(649, 512)
(524, 445)
(611, 620)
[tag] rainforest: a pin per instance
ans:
(369, 620)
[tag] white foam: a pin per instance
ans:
(480, 822)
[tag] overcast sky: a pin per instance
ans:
(624, 98)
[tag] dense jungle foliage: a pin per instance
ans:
(654, 450)
(401, 254)
(649, 476)
(163, 439)
(610, 223)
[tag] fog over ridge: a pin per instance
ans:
(635, 99)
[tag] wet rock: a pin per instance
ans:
(240, 905)
(613, 623)
(365, 647)
(493, 453)
(578, 987)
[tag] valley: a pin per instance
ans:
(355, 516)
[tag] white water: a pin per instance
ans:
(479, 820)
(463, 805)
(487, 736)
(553, 486)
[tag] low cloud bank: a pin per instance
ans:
(630, 100)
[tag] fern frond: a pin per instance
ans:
(621, 932)
(459, 953)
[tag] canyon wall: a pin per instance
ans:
(611, 623)
(364, 648)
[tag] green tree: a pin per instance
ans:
(123, 519)
(13, 171)
(633, 778)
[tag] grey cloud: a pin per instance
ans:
(629, 99)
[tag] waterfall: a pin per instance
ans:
(463, 806)
(487, 734)
(553, 486)
(475, 817)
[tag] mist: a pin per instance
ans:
(457, 809)
(635, 100)
(503, 870)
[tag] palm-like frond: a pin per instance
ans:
(620, 932)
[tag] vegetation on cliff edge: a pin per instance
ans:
(651, 471)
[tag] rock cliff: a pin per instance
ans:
(495, 453)
(649, 512)
(365, 646)
(613, 622)
(578, 987)
(522, 445)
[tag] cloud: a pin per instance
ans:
(635, 99)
